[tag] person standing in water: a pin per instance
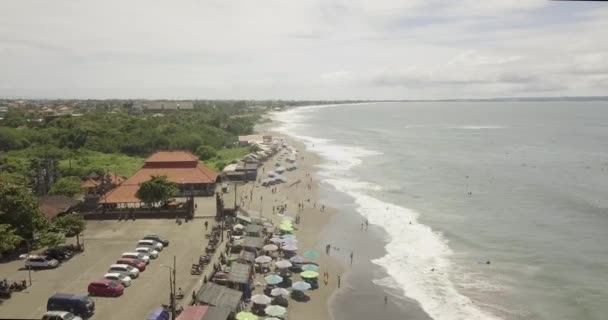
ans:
(351, 258)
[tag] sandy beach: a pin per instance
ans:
(312, 221)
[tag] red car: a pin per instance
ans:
(106, 288)
(135, 263)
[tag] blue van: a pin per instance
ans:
(159, 314)
(81, 306)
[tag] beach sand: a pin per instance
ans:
(312, 221)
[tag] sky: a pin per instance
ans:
(304, 49)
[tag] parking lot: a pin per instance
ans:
(105, 241)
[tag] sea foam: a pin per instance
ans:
(412, 250)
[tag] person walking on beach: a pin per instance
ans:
(323, 208)
(366, 224)
(338, 281)
(327, 248)
(206, 225)
(351, 258)
(385, 300)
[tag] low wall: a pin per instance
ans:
(137, 214)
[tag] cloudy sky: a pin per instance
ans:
(302, 49)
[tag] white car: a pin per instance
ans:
(124, 268)
(150, 244)
(153, 254)
(60, 315)
(41, 262)
(136, 255)
(120, 277)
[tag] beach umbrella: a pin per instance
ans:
(275, 311)
(273, 279)
(301, 286)
(263, 259)
(243, 315)
(238, 226)
(311, 254)
(289, 236)
(286, 228)
(276, 240)
(309, 274)
(279, 292)
(271, 174)
(283, 264)
(290, 247)
(270, 247)
(297, 259)
(310, 267)
(261, 299)
(290, 241)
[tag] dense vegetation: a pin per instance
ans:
(115, 142)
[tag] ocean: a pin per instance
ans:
(476, 210)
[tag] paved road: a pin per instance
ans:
(105, 241)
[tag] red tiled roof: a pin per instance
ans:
(172, 156)
(52, 206)
(193, 313)
(198, 173)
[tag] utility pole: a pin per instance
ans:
(174, 291)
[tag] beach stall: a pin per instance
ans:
(252, 244)
(212, 294)
(254, 230)
(193, 313)
(239, 278)
(217, 313)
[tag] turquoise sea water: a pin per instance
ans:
(523, 185)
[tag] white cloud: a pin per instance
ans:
(313, 49)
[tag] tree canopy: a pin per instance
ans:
(66, 186)
(156, 190)
(205, 152)
(9, 240)
(20, 210)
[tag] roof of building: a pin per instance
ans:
(193, 313)
(219, 296)
(52, 206)
(247, 256)
(172, 156)
(254, 228)
(252, 137)
(217, 313)
(196, 173)
(239, 272)
(253, 242)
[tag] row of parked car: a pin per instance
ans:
(121, 274)
(50, 258)
(65, 306)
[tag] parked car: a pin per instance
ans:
(124, 279)
(106, 288)
(147, 251)
(59, 254)
(82, 306)
(60, 315)
(124, 268)
(136, 255)
(150, 244)
(40, 262)
(157, 238)
(135, 263)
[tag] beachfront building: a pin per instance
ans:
(182, 168)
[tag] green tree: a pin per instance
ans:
(206, 152)
(9, 240)
(66, 186)
(158, 189)
(71, 224)
(50, 239)
(21, 210)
